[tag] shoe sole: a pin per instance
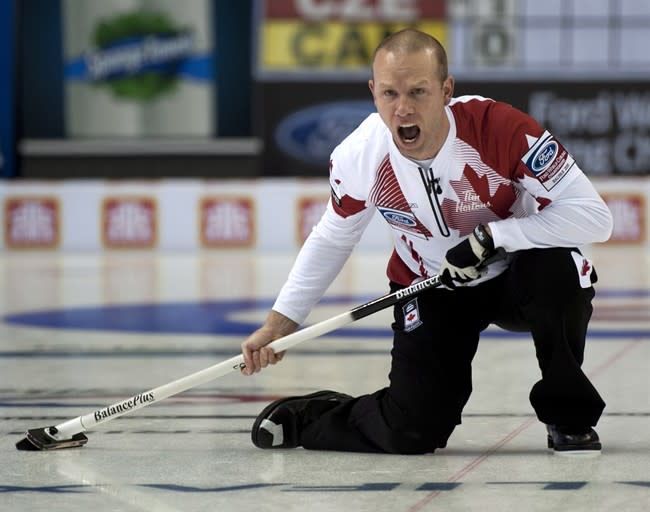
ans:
(589, 449)
(255, 437)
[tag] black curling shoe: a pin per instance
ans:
(571, 439)
(279, 425)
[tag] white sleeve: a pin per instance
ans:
(319, 261)
(576, 217)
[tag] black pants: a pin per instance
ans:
(431, 375)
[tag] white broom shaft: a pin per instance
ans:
(67, 429)
(87, 421)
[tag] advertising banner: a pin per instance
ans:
(312, 66)
(138, 68)
(7, 142)
(605, 125)
(304, 121)
(215, 215)
(335, 37)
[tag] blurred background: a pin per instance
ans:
(206, 124)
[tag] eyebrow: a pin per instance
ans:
(419, 83)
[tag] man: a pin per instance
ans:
(456, 179)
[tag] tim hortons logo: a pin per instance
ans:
(629, 212)
(129, 222)
(470, 201)
(123, 407)
(310, 210)
(31, 222)
(227, 222)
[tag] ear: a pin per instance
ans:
(448, 89)
(371, 86)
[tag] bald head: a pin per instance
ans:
(410, 40)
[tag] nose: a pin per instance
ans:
(404, 106)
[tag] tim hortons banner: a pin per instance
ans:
(212, 215)
(335, 36)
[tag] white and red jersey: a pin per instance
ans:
(496, 167)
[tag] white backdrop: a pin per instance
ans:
(264, 214)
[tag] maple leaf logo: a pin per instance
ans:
(480, 200)
(499, 201)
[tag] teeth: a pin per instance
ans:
(403, 128)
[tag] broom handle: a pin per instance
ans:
(85, 422)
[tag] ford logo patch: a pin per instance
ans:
(397, 217)
(311, 134)
(544, 156)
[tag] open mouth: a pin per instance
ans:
(408, 133)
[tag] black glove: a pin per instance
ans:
(466, 261)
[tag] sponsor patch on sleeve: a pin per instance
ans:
(548, 161)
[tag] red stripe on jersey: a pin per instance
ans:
(347, 205)
(543, 202)
(497, 131)
(387, 192)
(398, 272)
